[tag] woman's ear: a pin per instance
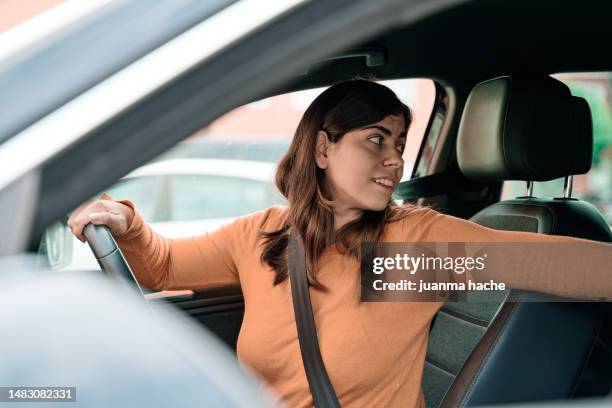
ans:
(321, 149)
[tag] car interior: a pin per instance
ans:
(498, 116)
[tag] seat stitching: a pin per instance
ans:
(466, 317)
(438, 364)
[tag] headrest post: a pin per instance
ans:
(567, 186)
(529, 189)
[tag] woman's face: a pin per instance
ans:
(365, 166)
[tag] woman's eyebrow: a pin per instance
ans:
(387, 132)
(383, 129)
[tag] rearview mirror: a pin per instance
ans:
(56, 245)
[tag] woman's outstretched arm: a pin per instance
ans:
(197, 262)
(565, 266)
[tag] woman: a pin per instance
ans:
(338, 176)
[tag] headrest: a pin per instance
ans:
(528, 129)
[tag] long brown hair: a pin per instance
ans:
(341, 108)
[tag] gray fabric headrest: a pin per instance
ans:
(524, 129)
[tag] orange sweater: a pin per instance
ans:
(373, 352)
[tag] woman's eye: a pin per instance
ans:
(377, 139)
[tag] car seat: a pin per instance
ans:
(498, 351)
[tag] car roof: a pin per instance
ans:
(477, 40)
(247, 169)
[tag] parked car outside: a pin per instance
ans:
(178, 198)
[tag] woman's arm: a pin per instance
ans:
(161, 263)
(554, 264)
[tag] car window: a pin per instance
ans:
(596, 185)
(262, 130)
(226, 169)
(199, 197)
(144, 192)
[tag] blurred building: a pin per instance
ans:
(13, 12)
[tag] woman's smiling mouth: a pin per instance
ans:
(385, 183)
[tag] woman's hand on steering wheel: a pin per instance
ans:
(109, 219)
(116, 216)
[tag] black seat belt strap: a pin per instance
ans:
(321, 388)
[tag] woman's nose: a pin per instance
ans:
(394, 159)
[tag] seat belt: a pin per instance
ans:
(321, 388)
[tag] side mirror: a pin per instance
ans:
(56, 245)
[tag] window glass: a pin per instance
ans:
(142, 191)
(595, 186)
(199, 197)
(226, 169)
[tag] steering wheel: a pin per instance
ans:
(109, 256)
